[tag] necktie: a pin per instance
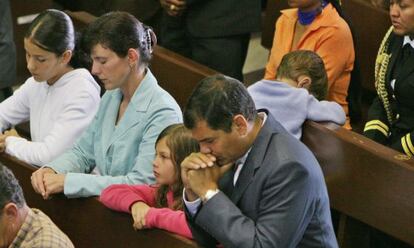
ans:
(407, 53)
(231, 174)
(402, 61)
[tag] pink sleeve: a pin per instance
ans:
(120, 197)
(167, 219)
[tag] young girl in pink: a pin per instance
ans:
(160, 205)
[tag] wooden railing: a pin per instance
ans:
(87, 222)
(366, 181)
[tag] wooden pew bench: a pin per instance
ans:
(366, 181)
(177, 74)
(87, 222)
(371, 185)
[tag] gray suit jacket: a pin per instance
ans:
(7, 47)
(279, 200)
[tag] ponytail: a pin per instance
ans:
(80, 59)
(148, 42)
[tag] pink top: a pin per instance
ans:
(121, 197)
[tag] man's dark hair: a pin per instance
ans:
(216, 100)
(10, 190)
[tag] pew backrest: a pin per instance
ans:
(87, 222)
(367, 181)
(176, 74)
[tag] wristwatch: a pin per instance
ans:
(209, 194)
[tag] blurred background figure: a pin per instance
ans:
(215, 33)
(7, 51)
(382, 4)
(147, 11)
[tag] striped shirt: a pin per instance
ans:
(38, 231)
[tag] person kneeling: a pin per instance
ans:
(160, 205)
(298, 93)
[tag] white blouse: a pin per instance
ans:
(58, 115)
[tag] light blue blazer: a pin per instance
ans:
(121, 153)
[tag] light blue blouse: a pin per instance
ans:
(121, 153)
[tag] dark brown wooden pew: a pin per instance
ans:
(366, 181)
(371, 185)
(369, 24)
(177, 74)
(87, 222)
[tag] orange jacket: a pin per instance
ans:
(330, 37)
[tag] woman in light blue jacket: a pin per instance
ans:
(118, 146)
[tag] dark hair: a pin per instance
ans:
(120, 31)
(308, 63)
(10, 190)
(217, 99)
(355, 88)
(52, 30)
(181, 145)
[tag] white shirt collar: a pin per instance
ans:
(408, 40)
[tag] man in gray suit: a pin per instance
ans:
(252, 184)
(7, 51)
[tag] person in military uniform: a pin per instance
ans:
(391, 115)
